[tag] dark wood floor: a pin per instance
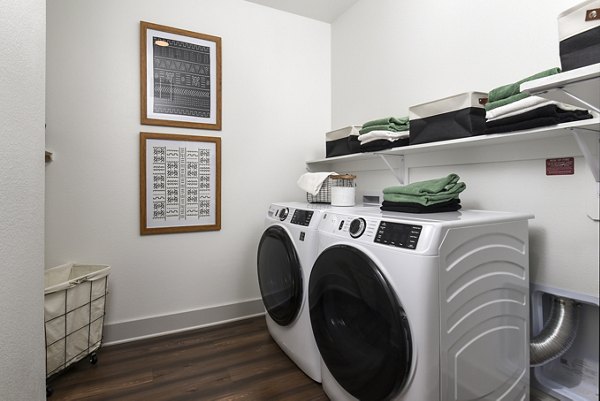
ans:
(234, 361)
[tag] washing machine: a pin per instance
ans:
(286, 253)
(408, 307)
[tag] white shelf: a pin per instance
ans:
(591, 125)
(579, 87)
(583, 83)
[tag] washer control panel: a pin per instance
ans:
(398, 234)
(302, 217)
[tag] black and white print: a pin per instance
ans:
(181, 178)
(181, 82)
(182, 78)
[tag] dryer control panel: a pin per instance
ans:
(398, 234)
(302, 217)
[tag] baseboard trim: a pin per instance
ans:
(122, 332)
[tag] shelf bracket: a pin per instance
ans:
(591, 157)
(572, 96)
(400, 172)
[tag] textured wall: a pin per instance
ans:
(22, 79)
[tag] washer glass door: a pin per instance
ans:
(359, 325)
(279, 275)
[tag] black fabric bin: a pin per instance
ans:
(341, 142)
(579, 35)
(453, 117)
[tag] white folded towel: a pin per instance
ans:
(312, 182)
(523, 106)
(379, 134)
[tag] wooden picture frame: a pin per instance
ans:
(180, 77)
(180, 183)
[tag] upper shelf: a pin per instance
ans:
(479, 140)
(583, 83)
(579, 87)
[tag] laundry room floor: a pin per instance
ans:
(234, 361)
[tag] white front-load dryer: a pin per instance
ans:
(286, 253)
(409, 307)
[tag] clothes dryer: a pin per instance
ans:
(286, 253)
(409, 307)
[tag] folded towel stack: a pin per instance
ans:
(430, 196)
(512, 92)
(384, 133)
(509, 109)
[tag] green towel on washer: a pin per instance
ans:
(427, 192)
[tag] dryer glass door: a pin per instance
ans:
(279, 275)
(359, 325)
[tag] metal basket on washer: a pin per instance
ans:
(324, 194)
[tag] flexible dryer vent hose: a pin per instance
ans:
(558, 333)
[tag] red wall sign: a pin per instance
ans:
(560, 166)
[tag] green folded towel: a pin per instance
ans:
(505, 101)
(385, 121)
(505, 91)
(433, 186)
(427, 192)
(383, 127)
(425, 200)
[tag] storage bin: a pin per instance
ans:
(74, 303)
(453, 117)
(343, 191)
(324, 194)
(343, 141)
(579, 35)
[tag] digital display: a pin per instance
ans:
(302, 217)
(397, 234)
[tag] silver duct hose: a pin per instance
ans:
(558, 333)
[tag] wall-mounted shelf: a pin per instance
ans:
(592, 126)
(580, 87)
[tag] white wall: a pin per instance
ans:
(276, 108)
(388, 55)
(22, 363)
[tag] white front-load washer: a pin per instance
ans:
(434, 307)
(286, 253)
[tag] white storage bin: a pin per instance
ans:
(343, 141)
(579, 35)
(452, 117)
(74, 303)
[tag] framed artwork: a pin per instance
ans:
(180, 77)
(180, 183)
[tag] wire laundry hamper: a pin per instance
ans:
(74, 303)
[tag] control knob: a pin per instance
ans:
(283, 213)
(357, 227)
